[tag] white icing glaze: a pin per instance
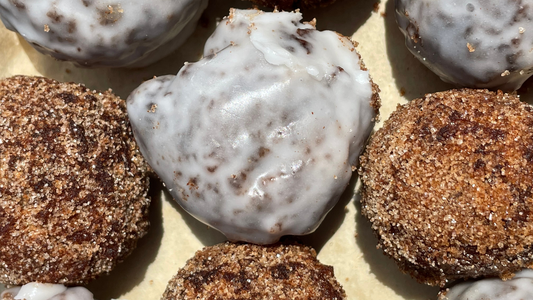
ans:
(518, 288)
(47, 291)
(103, 32)
(258, 138)
(473, 43)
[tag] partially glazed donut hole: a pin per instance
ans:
(519, 287)
(471, 43)
(46, 291)
(259, 138)
(103, 33)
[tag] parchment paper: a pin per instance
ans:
(344, 240)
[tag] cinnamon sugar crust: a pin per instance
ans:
(447, 186)
(247, 271)
(73, 188)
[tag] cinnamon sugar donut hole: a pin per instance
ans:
(448, 186)
(73, 184)
(248, 271)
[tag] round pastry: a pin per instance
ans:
(246, 271)
(72, 182)
(293, 4)
(471, 43)
(259, 138)
(46, 291)
(520, 287)
(103, 32)
(448, 185)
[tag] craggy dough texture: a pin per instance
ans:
(246, 271)
(293, 4)
(259, 138)
(72, 182)
(448, 185)
(104, 33)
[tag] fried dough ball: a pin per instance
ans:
(448, 186)
(103, 33)
(519, 287)
(247, 271)
(73, 188)
(293, 4)
(269, 145)
(46, 291)
(471, 43)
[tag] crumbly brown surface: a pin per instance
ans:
(447, 185)
(246, 271)
(289, 5)
(73, 188)
(8, 296)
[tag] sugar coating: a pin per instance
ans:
(104, 33)
(46, 291)
(259, 138)
(471, 43)
(245, 271)
(73, 185)
(447, 186)
(519, 287)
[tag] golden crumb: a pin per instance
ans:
(376, 7)
(8, 296)
(470, 47)
(402, 91)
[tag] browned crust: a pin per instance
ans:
(8, 296)
(289, 5)
(447, 185)
(375, 101)
(246, 271)
(72, 182)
